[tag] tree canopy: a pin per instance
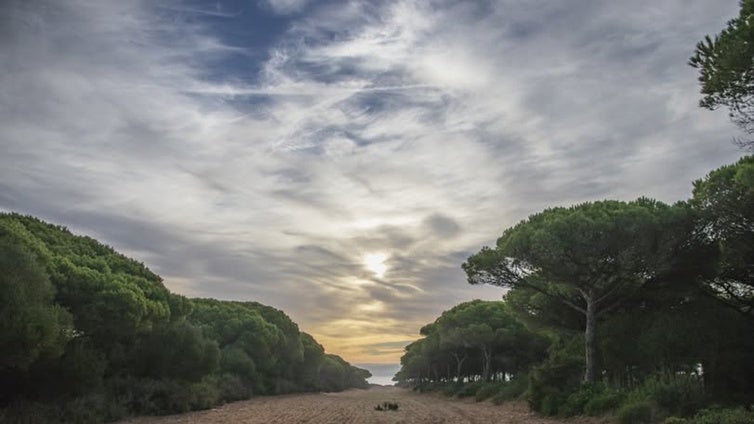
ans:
(668, 290)
(726, 69)
(590, 257)
(89, 335)
(725, 198)
(477, 339)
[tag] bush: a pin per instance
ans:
(723, 416)
(468, 389)
(488, 390)
(86, 409)
(551, 383)
(675, 420)
(26, 412)
(551, 404)
(230, 388)
(161, 397)
(636, 412)
(678, 396)
(203, 395)
(576, 401)
(513, 389)
(604, 402)
(451, 389)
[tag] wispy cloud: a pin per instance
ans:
(418, 130)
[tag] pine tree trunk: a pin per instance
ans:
(487, 353)
(589, 340)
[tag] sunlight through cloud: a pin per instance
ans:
(375, 262)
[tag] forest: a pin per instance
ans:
(89, 335)
(639, 309)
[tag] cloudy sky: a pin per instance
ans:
(340, 159)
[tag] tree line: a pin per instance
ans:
(639, 307)
(89, 335)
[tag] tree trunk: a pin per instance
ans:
(486, 365)
(459, 363)
(589, 336)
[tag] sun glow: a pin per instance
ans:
(375, 262)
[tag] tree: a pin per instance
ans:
(590, 257)
(725, 199)
(726, 69)
(472, 339)
(31, 325)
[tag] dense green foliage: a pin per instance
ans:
(726, 65)
(726, 200)
(476, 349)
(580, 257)
(88, 335)
(672, 293)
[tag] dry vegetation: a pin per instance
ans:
(357, 406)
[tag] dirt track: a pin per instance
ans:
(357, 406)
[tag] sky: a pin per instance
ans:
(339, 160)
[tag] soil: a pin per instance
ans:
(358, 406)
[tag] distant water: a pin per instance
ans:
(381, 373)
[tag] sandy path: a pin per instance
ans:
(357, 406)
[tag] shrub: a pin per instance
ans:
(513, 389)
(85, 409)
(451, 389)
(230, 388)
(160, 397)
(488, 390)
(21, 411)
(603, 402)
(678, 396)
(577, 400)
(468, 389)
(203, 395)
(551, 382)
(723, 416)
(551, 403)
(675, 420)
(636, 412)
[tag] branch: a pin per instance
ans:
(551, 296)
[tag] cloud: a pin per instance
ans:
(265, 166)
(285, 7)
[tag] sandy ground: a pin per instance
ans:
(357, 406)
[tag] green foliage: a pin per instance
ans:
(511, 390)
(589, 257)
(725, 67)
(680, 395)
(469, 389)
(603, 402)
(671, 295)
(488, 390)
(725, 199)
(636, 412)
(551, 382)
(231, 387)
(473, 339)
(31, 325)
(176, 351)
(88, 335)
(452, 388)
(723, 416)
